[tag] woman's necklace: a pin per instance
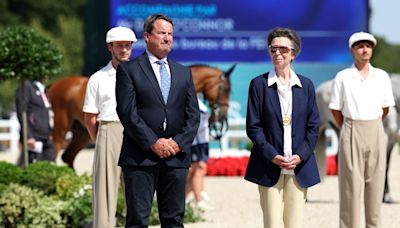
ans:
(286, 118)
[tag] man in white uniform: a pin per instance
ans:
(361, 97)
(105, 128)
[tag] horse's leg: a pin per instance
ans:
(80, 138)
(391, 124)
(62, 124)
(392, 139)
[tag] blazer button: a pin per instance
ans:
(160, 128)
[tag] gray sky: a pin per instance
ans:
(385, 19)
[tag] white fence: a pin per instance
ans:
(236, 135)
(9, 133)
(234, 138)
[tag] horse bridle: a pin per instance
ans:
(220, 124)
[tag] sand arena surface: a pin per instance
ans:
(236, 201)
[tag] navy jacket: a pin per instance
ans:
(142, 111)
(37, 113)
(265, 129)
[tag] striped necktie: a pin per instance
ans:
(165, 80)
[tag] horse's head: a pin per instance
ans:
(215, 85)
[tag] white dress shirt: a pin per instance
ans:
(100, 94)
(285, 100)
(156, 67)
(361, 98)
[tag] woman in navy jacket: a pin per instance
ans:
(282, 122)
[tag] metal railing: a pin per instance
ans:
(9, 134)
(235, 137)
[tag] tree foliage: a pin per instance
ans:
(386, 56)
(69, 41)
(59, 21)
(25, 54)
(45, 11)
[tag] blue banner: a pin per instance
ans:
(236, 30)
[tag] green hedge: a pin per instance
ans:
(9, 173)
(44, 176)
(47, 195)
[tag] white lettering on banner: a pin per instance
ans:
(209, 34)
(174, 10)
(242, 44)
(257, 43)
(204, 44)
(219, 44)
(227, 44)
(187, 25)
(204, 25)
(205, 10)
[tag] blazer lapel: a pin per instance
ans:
(296, 101)
(274, 99)
(148, 70)
(174, 78)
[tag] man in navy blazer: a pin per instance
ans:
(31, 97)
(158, 130)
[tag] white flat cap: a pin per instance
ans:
(361, 36)
(120, 34)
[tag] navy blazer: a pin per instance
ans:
(37, 113)
(265, 129)
(142, 110)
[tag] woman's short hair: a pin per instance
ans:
(286, 32)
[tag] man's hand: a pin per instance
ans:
(163, 148)
(31, 143)
(338, 116)
(174, 145)
(91, 125)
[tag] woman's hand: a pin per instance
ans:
(279, 160)
(287, 163)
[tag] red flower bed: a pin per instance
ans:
(331, 165)
(236, 166)
(227, 166)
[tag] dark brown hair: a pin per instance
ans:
(148, 24)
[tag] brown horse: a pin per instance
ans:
(216, 88)
(67, 97)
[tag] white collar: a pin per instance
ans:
(154, 59)
(40, 86)
(358, 75)
(294, 79)
(110, 69)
